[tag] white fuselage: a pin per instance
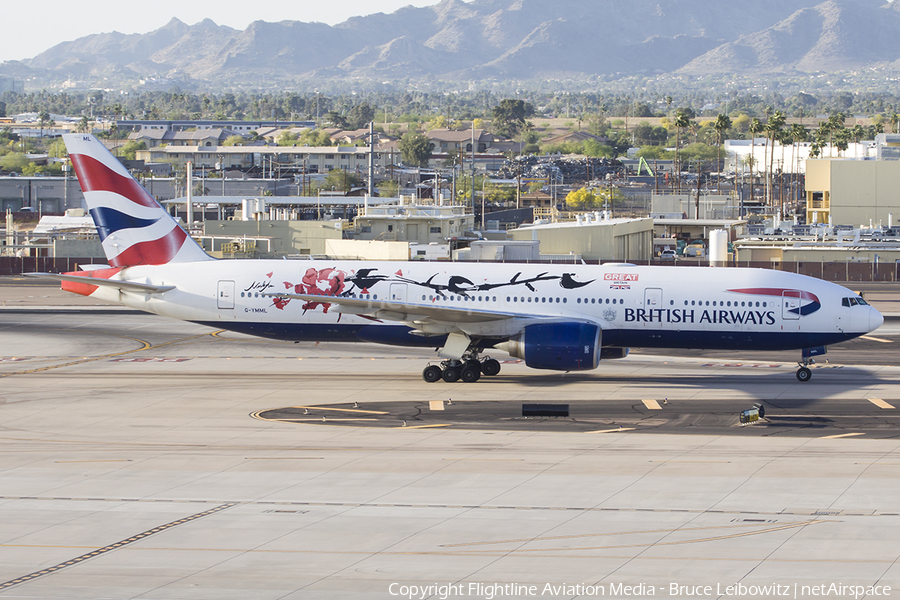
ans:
(674, 307)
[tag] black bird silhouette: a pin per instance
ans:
(567, 282)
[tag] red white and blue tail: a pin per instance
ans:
(134, 228)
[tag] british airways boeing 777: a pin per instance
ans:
(565, 318)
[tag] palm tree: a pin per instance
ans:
(721, 125)
(754, 128)
(44, 120)
(773, 129)
(895, 119)
(835, 127)
(682, 120)
(798, 133)
(857, 132)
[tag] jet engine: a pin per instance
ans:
(562, 346)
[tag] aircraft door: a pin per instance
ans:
(225, 296)
(398, 293)
(653, 302)
(790, 305)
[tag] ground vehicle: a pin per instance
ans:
(667, 254)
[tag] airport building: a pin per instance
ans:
(270, 159)
(852, 192)
(593, 238)
(419, 223)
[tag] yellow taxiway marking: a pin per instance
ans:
(323, 419)
(94, 461)
(694, 462)
(652, 404)
(880, 403)
(352, 410)
(843, 435)
(611, 533)
(436, 405)
(423, 426)
(283, 458)
(505, 554)
(620, 429)
(875, 339)
(655, 544)
(487, 459)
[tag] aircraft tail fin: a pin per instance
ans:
(133, 227)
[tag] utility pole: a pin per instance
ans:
(371, 190)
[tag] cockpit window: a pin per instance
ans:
(861, 302)
(845, 302)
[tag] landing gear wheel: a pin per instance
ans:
(490, 367)
(450, 374)
(470, 373)
(431, 373)
(804, 374)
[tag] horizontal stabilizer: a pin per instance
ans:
(127, 286)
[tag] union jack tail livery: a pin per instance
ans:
(134, 228)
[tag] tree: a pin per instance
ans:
(340, 179)
(44, 120)
(773, 129)
(509, 116)
(415, 149)
(754, 128)
(581, 199)
(389, 189)
(129, 150)
(337, 120)
(84, 125)
(14, 161)
(585, 199)
(721, 125)
(360, 116)
(683, 118)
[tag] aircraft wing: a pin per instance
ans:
(391, 310)
(127, 286)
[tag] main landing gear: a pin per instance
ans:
(469, 369)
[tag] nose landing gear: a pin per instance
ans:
(804, 374)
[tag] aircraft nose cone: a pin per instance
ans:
(875, 319)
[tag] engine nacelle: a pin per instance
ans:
(567, 346)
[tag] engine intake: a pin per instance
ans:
(566, 346)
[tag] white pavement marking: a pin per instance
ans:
(619, 430)
(880, 403)
(843, 435)
(652, 404)
(875, 339)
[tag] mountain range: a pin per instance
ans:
(507, 39)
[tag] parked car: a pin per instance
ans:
(667, 255)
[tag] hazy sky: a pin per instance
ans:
(32, 28)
